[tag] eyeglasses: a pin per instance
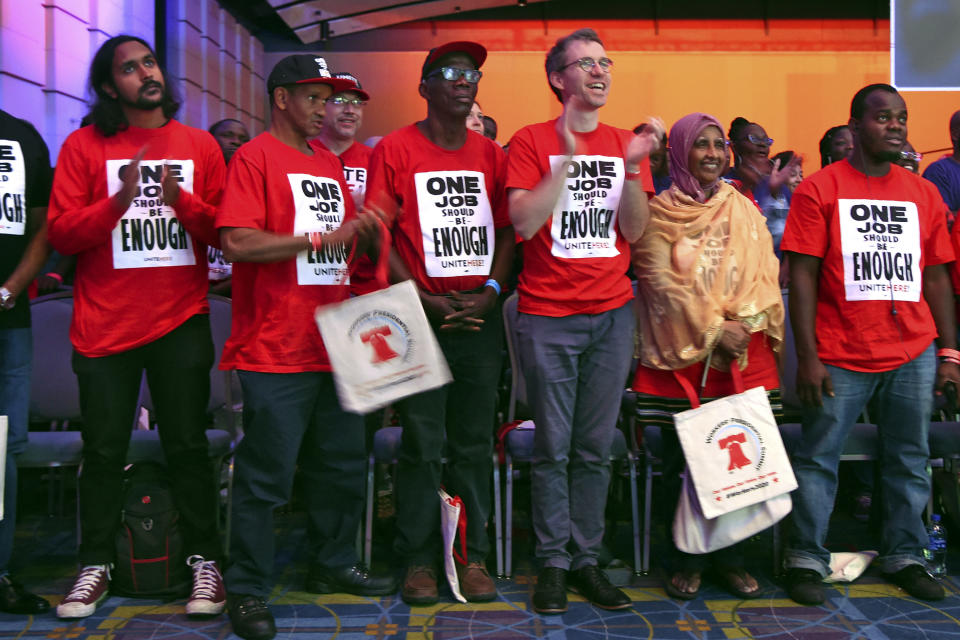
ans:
(911, 155)
(587, 64)
(453, 74)
(758, 140)
(341, 100)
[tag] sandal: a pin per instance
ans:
(731, 577)
(675, 592)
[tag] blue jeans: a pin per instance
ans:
(16, 356)
(905, 401)
(575, 368)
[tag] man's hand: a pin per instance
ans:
(947, 373)
(568, 143)
(471, 309)
(123, 198)
(734, 339)
(438, 308)
(643, 144)
(170, 186)
(812, 379)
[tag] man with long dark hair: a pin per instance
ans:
(133, 198)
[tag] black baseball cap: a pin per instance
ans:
(304, 68)
(356, 88)
(477, 53)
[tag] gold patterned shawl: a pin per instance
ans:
(697, 265)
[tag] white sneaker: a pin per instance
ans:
(88, 591)
(207, 597)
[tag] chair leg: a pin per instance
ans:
(508, 520)
(368, 519)
(497, 514)
(647, 510)
(777, 551)
(634, 512)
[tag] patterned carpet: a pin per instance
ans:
(870, 608)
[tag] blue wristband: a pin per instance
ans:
(493, 283)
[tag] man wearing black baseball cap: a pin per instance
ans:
(453, 238)
(286, 220)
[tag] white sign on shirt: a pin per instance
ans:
(356, 178)
(318, 206)
(149, 234)
(13, 186)
(456, 223)
(585, 216)
(880, 242)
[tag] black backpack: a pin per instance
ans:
(149, 544)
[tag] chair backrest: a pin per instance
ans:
(54, 394)
(517, 407)
(788, 362)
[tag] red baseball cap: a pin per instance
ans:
(356, 88)
(477, 53)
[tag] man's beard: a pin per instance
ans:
(145, 103)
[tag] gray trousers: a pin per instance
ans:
(575, 368)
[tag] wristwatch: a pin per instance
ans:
(7, 299)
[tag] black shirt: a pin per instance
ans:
(25, 180)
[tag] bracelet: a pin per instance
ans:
(948, 353)
(950, 360)
(56, 276)
(493, 283)
(633, 175)
(316, 239)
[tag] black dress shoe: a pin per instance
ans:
(15, 599)
(551, 593)
(805, 586)
(915, 580)
(357, 580)
(250, 617)
(592, 583)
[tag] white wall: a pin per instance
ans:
(217, 64)
(46, 47)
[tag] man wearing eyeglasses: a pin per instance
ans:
(342, 120)
(577, 193)
(452, 237)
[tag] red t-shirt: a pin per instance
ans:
(875, 236)
(577, 262)
(143, 272)
(273, 187)
(355, 161)
(450, 205)
(761, 371)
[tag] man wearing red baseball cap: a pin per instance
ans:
(286, 221)
(453, 238)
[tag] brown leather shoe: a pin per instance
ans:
(420, 586)
(476, 585)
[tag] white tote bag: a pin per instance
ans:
(453, 521)
(381, 348)
(735, 456)
(380, 345)
(693, 533)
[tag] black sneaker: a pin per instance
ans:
(592, 583)
(250, 617)
(357, 580)
(805, 586)
(916, 581)
(551, 593)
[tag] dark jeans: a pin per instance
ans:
(286, 416)
(178, 372)
(16, 355)
(463, 410)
